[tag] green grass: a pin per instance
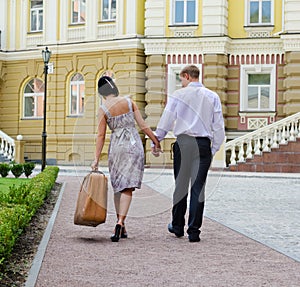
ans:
(5, 182)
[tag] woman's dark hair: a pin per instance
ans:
(106, 86)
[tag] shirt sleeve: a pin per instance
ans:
(217, 127)
(167, 119)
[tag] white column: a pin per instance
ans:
(215, 17)
(120, 18)
(51, 21)
(3, 25)
(91, 24)
(64, 16)
(23, 24)
(131, 19)
(292, 19)
(155, 18)
(12, 28)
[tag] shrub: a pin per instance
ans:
(28, 167)
(18, 206)
(4, 169)
(13, 219)
(17, 169)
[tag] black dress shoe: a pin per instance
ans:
(171, 230)
(194, 239)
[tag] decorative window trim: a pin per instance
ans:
(173, 69)
(257, 69)
(183, 30)
(247, 15)
(259, 31)
(184, 23)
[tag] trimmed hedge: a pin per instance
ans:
(19, 205)
(17, 169)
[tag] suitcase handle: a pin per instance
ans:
(97, 171)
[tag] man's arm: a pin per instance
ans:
(167, 120)
(217, 127)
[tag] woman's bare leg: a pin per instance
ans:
(124, 204)
(117, 197)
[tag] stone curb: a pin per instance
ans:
(38, 259)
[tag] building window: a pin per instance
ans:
(77, 95)
(78, 11)
(184, 12)
(109, 10)
(260, 12)
(258, 88)
(174, 82)
(36, 16)
(33, 99)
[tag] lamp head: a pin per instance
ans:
(46, 55)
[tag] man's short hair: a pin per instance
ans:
(191, 70)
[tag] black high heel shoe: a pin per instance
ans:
(123, 232)
(115, 237)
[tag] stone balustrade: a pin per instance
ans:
(263, 139)
(7, 146)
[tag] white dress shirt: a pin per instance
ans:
(195, 111)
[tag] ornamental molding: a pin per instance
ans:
(165, 46)
(256, 46)
(73, 48)
(291, 43)
(215, 45)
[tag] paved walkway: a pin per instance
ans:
(250, 236)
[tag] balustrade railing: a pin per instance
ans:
(263, 139)
(7, 146)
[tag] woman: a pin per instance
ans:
(126, 152)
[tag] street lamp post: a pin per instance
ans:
(46, 57)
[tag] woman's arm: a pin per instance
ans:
(100, 138)
(143, 126)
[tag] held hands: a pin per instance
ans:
(156, 150)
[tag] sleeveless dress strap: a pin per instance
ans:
(129, 104)
(105, 109)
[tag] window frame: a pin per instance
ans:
(110, 12)
(173, 70)
(257, 69)
(78, 85)
(78, 22)
(36, 96)
(173, 13)
(40, 12)
(259, 23)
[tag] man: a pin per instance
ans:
(195, 115)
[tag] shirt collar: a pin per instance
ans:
(195, 84)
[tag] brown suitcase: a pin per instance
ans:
(91, 207)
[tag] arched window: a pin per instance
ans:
(77, 95)
(33, 99)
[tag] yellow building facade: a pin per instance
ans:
(248, 51)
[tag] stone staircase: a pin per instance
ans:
(274, 148)
(285, 158)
